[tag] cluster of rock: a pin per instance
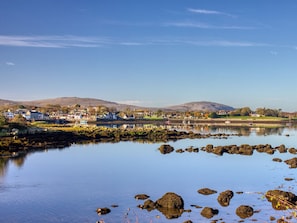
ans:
(246, 149)
(166, 149)
(243, 149)
(61, 139)
(171, 205)
(281, 200)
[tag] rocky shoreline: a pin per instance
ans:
(11, 146)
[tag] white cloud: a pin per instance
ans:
(200, 25)
(209, 12)
(52, 41)
(10, 63)
(222, 43)
(94, 42)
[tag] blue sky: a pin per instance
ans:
(151, 53)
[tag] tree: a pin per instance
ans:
(213, 115)
(3, 120)
(19, 119)
(245, 111)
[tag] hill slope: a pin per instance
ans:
(85, 102)
(201, 106)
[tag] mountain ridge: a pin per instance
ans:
(71, 101)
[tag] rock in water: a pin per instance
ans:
(171, 200)
(102, 211)
(208, 212)
(225, 197)
(244, 211)
(165, 149)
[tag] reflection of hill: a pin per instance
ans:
(3, 167)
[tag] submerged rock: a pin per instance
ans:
(225, 197)
(165, 149)
(293, 151)
(292, 162)
(141, 197)
(102, 211)
(277, 160)
(208, 212)
(206, 191)
(244, 211)
(149, 205)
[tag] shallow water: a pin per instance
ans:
(68, 185)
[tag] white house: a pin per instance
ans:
(35, 116)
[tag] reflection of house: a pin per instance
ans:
(35, 116)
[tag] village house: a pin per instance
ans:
(108, 116)
(34, 115)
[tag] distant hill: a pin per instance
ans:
(68, 101)
(201, 106)
(7, 102)
(84, 102)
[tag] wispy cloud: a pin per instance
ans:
(95, 42)
(10, 63)
(52, 41)
(209, 12)
(223, 43)
(200, 25)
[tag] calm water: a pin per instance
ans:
(68, 185)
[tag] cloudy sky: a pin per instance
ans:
(151, 52)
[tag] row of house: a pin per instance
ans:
(31, 115)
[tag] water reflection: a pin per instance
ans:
(68, 185)
(204, 129)
(3, 167)
(4, 163)
(209, 128)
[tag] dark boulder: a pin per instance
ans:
(206, 191)
(246, 149)
(281, 200)
(292, 162)
(188, 221)
(149, 205)
(171, 200)
(293, 151)
(281, 148)
(277, 160)
(209, 148)
(165, 149)
(244, 211)
(171, 205)
(141, 197)
(208, 212)
(219, 150)
(179, 151)
(225, 197)
(102, 211)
